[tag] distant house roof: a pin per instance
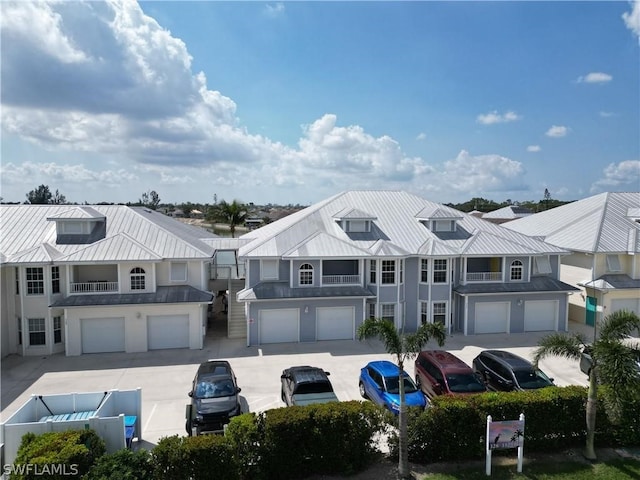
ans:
(510, 212)
(603, 223)
(397, 230)
(28, 235)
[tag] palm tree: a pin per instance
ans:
(403, 347)
(613, 362)
(233, 214)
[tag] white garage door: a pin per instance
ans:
(167, 331)
(278, 326)
(492, 317)
(101, 335)
(630, 304)
(540, 315)
(335, 323)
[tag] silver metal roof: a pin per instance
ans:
(597, 224)
(396, 231)
(28, 235)
(510, 212)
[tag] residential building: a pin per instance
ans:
(506, 214)
(603, 234)
(106, 278)
(317, 273)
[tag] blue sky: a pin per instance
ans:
(293, 102)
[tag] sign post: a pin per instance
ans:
(503, 435)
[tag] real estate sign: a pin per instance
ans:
(503, 435)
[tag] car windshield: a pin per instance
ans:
(393, 386)
(529, 379)
(312, 387)
(214, 388)
(464, 383)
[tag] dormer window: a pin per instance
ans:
(79, 225)
(613, 263)
(354, 221)
(443, 226)
(439, 219)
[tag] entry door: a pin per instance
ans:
(591, 309)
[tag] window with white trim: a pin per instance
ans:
(440, 270)
(372, 271)
(389, 312)
(372, 310)
(57, 329)
(19, 331)
(542, 265)
(424, 312)
(305, 274)
(424, 270)
(35, 281)
(388, 272)
(178, 272)
(516, 270)
(138, 278)
(401, 270)
(269, 270)
(55, 279)
(439, 313)
(613, 263)
(442, 225)
(37, 332)
(17, 281)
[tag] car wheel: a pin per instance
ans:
(363, 393)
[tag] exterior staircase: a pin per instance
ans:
(236, 319)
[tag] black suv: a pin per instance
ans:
(505, 371)
(214, 398)
(305, 385)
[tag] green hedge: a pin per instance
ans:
(57, 455)
(123, 465)
(295, 442)
(454, 428)
(194, 458)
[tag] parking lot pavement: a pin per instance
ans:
(165, 376)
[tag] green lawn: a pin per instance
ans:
(619, 469)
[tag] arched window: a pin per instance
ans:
(138, 278)
(516, 270)
(306, 274)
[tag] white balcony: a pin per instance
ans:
(341, 280)
(484, 276)
(94, 287)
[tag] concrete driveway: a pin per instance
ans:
(165, 376)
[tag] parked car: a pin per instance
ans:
(305, 385)
(214, 398)
(380, 382)
(504, 371)
(438, 372)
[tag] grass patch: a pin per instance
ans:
(619, 469)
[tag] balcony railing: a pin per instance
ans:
(94, 287)
(484, 276)
(341, 279)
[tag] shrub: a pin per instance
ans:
(194, 458)
(122, 465)
(62, 455)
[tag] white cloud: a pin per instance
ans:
(606, 114)
(619, 176)
(38, 173)
(274, 10)
(495, 117)
(533, 148)
(421, 136)
(557, 131)
(595, 77)
(632, 19)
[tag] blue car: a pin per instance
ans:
(379, 382)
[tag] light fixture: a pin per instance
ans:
(306, 309)
(519, 302)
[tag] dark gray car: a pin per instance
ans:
(505, 371)
(214, 398)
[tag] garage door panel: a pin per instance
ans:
(167, 331)
(540, 315)
(102, 335)
(492, 317)
(278, 326)
(335, 323)
(630, 304)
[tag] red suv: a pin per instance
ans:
(439, 372)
